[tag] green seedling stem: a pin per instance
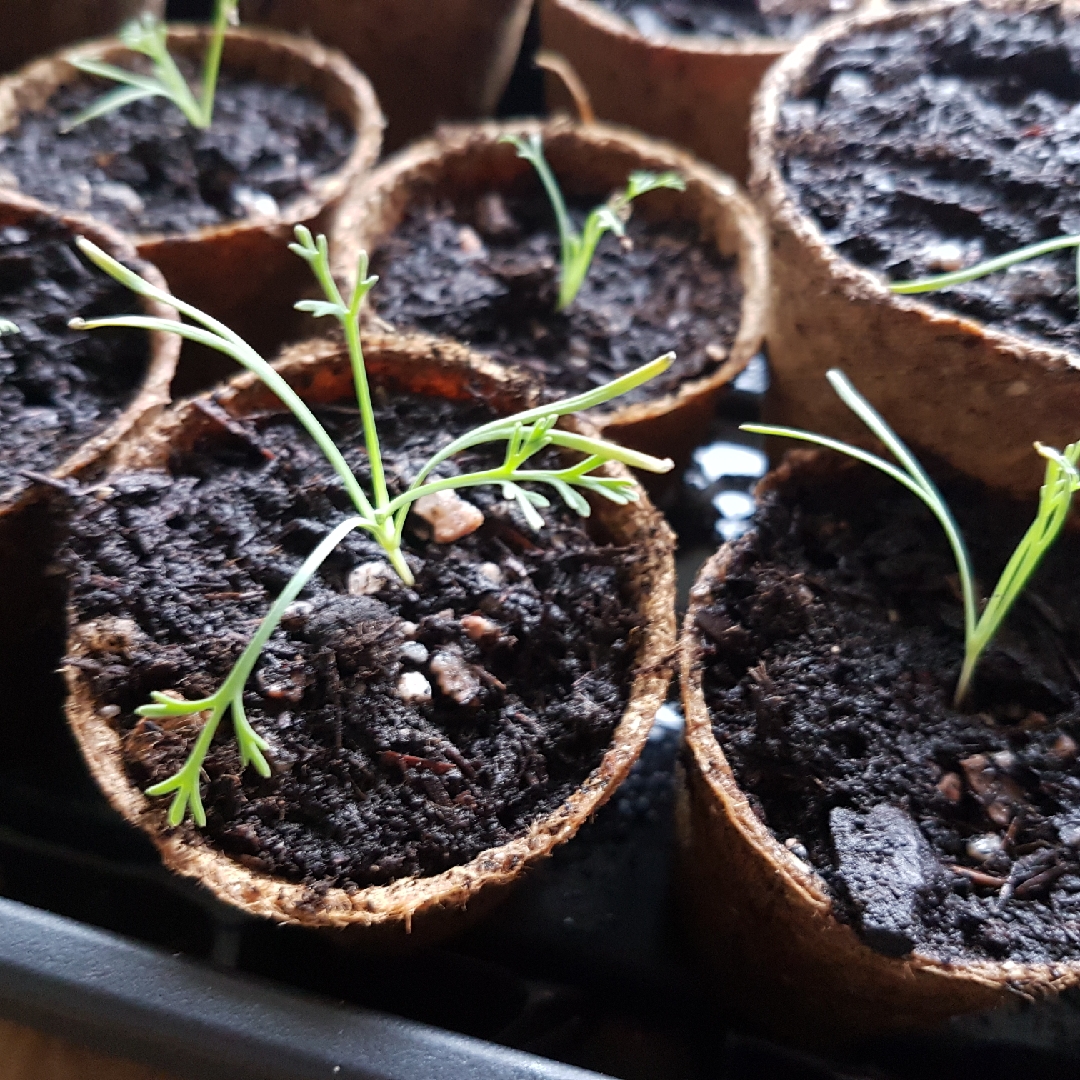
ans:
(149, 36)
(1055, 497)
(525, 433)
(577, 249)
(989, 266)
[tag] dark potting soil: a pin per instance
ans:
(145, 169)
(924, 149)
(487, 274)
(58, 387)
(831, 656)
(724, 18)
(525, 639)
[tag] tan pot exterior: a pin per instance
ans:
(430, 60)
(695, 90)
(26, 34)
(239, 272)
(24, 528)
(593, 159)
(761, 918)
(429, 907)
(976, 396)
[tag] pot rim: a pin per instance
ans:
(802, 886)
(775, 199)
(599, 18)
(386, 192)
(319, 369)
(29, 88)
(163, 349)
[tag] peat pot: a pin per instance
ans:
(694, 89)
(439, 661)
(877, 155)
(453, 259)
(465, 50)
(234, 264)
(67, 401)
(855, 856)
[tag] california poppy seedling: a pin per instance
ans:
(1062, 481)
(149, 36)
(525, 435)
(989, 266)
(577, 249)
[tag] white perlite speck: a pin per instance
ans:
(369, 578)
(413, 688)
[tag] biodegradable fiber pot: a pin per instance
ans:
(60, 22)
(976, 396)
(589, 160)
(24, 541)
(430, 60)
(431, 906)
(761, 917)
(695, 90)
(240, 272)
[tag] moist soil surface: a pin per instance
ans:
(722, 18)
(487, 274)
(525, 639)
(831, 656)
(58, 387)
(145, 169)
(924, 149)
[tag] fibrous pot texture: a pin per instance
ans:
(241, 271)
(384, 908)
(693, 89)
(59, 22)
(817, 663)
(590, 161)
(976, 394)
(429, 60)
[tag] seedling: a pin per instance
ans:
(1060, 484)
(149, 36)
(525, 434)
(578, 248)
(990, 266)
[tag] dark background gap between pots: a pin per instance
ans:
(585, 964)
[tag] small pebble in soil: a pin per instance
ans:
(451, 516)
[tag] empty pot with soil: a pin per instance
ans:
(54, 23)
(427, 742)
(684, 70)
(858, 855)
(466, 245)
(65, 400)
(465, 50)
(294, 122)
(906, 144)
